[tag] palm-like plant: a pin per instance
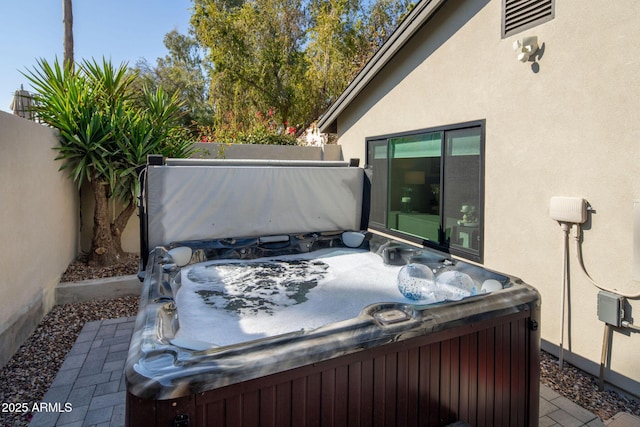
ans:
(104, 137)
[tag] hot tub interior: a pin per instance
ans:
(262, 295)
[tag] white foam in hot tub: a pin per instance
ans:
(226, 302)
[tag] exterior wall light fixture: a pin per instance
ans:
(526, 47)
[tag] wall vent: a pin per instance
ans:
(519, 15)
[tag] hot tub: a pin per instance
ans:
(302, 329)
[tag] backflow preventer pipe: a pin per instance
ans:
(565, 284)
(605, 354)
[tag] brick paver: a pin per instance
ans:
(90, 379)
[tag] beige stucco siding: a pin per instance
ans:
(568, 125)
(38, 227)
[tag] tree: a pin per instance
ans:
(104, 138)
(293, 57)
(383, 17)
(181, 71)
(258, 65)
(333, 50)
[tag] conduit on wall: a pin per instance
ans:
(570, 211)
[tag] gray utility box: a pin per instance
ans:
(610, 308)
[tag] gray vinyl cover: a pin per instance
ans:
(216, 202)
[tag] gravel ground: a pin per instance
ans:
(79, 270)
(27, 376)
(582, 388)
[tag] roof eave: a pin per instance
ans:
(407, 28)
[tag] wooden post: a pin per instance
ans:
(67, 20)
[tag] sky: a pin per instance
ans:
(122, 30)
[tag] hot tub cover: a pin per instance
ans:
(204, 202)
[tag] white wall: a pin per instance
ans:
(38, 227)
(566, 126)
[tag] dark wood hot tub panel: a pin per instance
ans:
(486, 374)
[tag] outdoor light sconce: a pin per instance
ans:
(526, 48)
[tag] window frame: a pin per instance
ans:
(442, 244)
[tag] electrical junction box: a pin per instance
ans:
(610, 308)
(568, 209)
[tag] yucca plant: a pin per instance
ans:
(156, 129)
(104, 137)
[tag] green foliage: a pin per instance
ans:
(155, 130)
(383, 18)
(292, 56)
(265, 130)
(71, 102)
(256, 52)
(180, 72)
(334, 51)
(104, 136)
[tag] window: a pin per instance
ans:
(519, 15)
(428, 185)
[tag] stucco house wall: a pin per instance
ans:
(38, 228)
(566, 125)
